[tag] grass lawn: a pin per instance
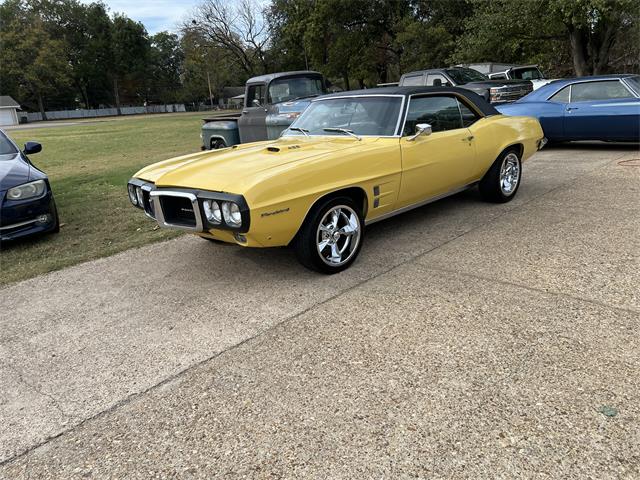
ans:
(88, 166)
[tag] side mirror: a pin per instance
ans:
(31, 148)
(421, 129)
(256, 103)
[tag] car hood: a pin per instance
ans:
(496, 83)
(226, 169)
(13, 171)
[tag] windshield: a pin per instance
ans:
(291, 88)
(530, 73)
(6, 147)
(465, 75)
(635, 83)
(361, 115)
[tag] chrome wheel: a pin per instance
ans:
(338, 235)
(509, 174)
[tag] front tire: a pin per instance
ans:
(501, 182)
(331, 237)
(217, 143)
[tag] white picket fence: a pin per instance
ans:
(104, 112)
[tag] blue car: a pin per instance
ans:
(587, 108)
(27, 206)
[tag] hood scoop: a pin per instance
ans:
(278, 149)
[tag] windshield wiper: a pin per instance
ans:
(304, 96)
(341, 130)
(298, 129)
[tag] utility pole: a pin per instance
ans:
(210, 94)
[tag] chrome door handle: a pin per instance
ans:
(245, 111)
(468, 139)
(571, 108)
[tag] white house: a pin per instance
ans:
(8, 107)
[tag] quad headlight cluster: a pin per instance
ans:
(219, 210)
(136, 197)
(27, 191)
(215, 211)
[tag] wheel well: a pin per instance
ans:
(358, 195)
(518, 147)
(215, 138)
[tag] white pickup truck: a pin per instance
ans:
(504, 71)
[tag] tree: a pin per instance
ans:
(237, 29)
(33, 62)
(593, 28)
(204, 64)
(130, 50)
(556, 33)
(166, 59)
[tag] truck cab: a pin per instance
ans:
(271, 103)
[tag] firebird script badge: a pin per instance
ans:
(275, 212)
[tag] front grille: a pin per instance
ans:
(512, 93)
(178, 211)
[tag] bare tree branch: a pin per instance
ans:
(238, 28)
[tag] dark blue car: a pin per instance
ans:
(587, 108)
(26, 201)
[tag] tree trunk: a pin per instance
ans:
(578, 51)
(41, 107)
(345, 79)
(116, 95)
(85, 96)
(601, 52)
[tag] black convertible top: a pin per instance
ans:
(472, 97)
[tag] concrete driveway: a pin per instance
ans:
(470, 340)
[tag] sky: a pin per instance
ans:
(155, 15)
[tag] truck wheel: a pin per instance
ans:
(331, 237)
(501, 182)
(217, 143)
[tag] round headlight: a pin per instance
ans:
(132, 194)
(212, 211)
(140, 197)
(231, 213)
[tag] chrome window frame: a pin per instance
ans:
(438, 94)
(594, 80)
(390, 95)
(629, 86)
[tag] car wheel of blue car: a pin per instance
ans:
(502, 181)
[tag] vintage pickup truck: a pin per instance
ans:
(271, 103)
(504, 71)
(493, 91)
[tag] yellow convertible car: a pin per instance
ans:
(350, 159)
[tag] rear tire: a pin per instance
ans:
(500, 184)
(331, 236)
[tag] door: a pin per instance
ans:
(439, 163)
(6, 117)
(602, 110)
(253, 122)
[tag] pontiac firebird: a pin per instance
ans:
(350, 159)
